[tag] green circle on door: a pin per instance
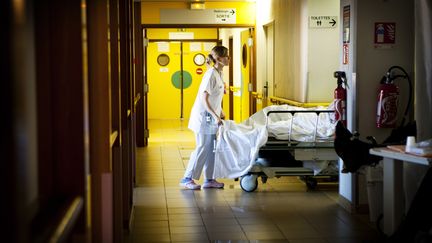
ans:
(176, 79)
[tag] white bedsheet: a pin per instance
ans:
(237, 145)
(303, 126)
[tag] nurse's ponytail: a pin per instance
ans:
(210, 59)
(217, 51)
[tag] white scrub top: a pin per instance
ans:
(212, 82)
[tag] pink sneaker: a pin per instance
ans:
(191, 185)
(213, 184)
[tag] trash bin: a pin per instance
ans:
(374, 179)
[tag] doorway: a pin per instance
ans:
(174, 72)
(268, 89)
(175, 64)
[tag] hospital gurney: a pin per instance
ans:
(288, 157)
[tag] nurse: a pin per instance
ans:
(206, 116)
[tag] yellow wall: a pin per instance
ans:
(198, 33)
(151, 15)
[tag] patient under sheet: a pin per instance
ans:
(237, 145)
(303, 126)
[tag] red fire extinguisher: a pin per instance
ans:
(387, 103)
(340, 97)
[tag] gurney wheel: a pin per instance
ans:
(249, 183)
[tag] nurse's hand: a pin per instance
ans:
(219, 121)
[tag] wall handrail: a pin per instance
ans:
(67, 221)
(234, 89)
(280, 101)
(137, 98)
(113, 137)
(256, 95)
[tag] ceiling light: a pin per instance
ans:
(197, 5)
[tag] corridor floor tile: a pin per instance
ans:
(281, 210)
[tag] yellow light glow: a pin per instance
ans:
(197, 5)
(19, 8)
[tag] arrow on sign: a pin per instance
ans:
(232, 12)
(333, 22)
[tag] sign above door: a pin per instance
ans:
(205, 16)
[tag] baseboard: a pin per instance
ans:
(131, 219)
(347, 205)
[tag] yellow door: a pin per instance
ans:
(245, 75)
(175, 70)
(163, 60)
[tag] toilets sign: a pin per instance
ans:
(323, 21)
(225, 16)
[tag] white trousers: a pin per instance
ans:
(202, 158)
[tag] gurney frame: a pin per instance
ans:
(297, 152)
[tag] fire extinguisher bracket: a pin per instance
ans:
(388, 99)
